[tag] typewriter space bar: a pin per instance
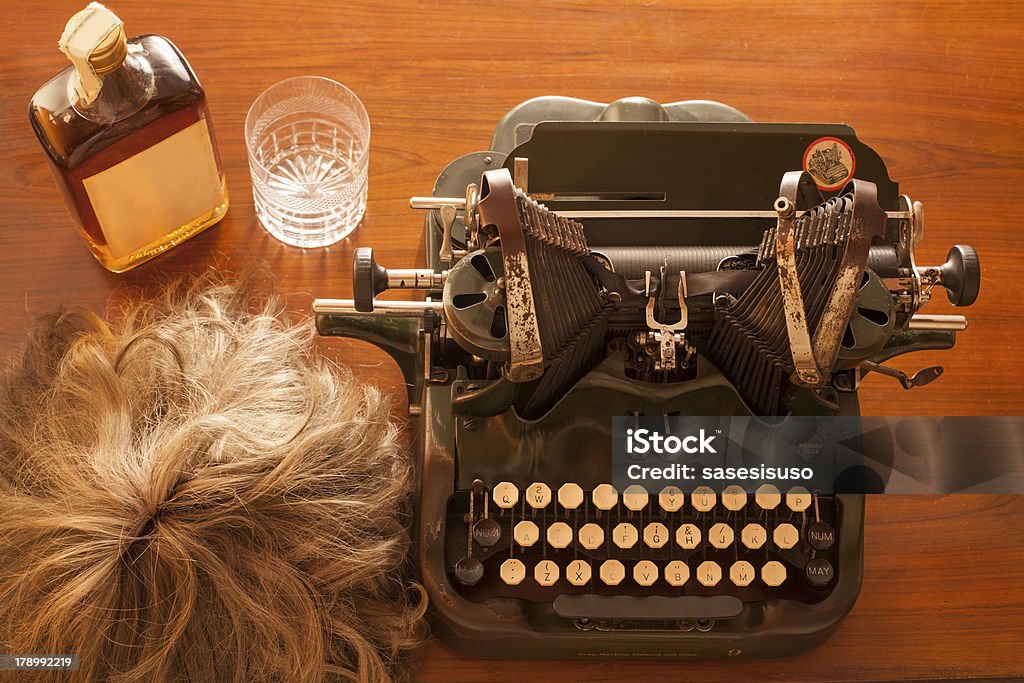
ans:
(653, 607)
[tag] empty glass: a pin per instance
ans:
(308, 140)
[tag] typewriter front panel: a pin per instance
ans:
(598, 571)
(512, 612)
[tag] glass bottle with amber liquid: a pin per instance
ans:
(128, 137)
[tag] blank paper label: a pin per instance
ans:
(146, 197)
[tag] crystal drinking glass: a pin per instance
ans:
(308, 140)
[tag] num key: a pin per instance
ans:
(821, 536)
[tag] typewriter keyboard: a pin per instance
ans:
(699, 555)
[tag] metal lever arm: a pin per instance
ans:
(919, 379)
(814, 358)
(447, 221)
(497, 207)
(807, 369)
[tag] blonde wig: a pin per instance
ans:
(191, 493)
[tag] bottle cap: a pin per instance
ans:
(95, 43)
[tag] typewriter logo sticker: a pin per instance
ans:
(830, 162)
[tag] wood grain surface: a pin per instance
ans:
(935, 87)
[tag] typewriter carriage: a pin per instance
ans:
(536, 330)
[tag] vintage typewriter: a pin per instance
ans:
(643, 259)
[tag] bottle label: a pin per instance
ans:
(145, 198)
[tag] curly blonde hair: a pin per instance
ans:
(191, 493)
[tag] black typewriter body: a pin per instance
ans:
(640, 259)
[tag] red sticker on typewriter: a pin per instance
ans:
(830, 162)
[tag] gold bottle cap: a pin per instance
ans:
(110, 54)
(95, 42)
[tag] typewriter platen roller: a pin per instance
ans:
(641, 259)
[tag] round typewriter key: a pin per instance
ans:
(768, 497)
(655, 535)
(677, 573)
(819, 572)
(512, 571)
(688, 536)
(469, 571)
(742, 573)
(546, 573)
(786, 536)
(709, 573)
(703, 498)
(645, 573)
(578, 573)
(559, 535)
(526, 533)
(635, 498)
(670, 499)
(505, 495)
(625, 535)
(821, 536)
(570, 496)
(612, 572)
(605, 497)
(734, 498)
(487, 532)
(591, 536)
(754, 536)
(721, 535)
(798, 499)
(773, 573)
(538, 495)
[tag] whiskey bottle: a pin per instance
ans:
(127, 134)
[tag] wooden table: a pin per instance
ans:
(935, 87)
